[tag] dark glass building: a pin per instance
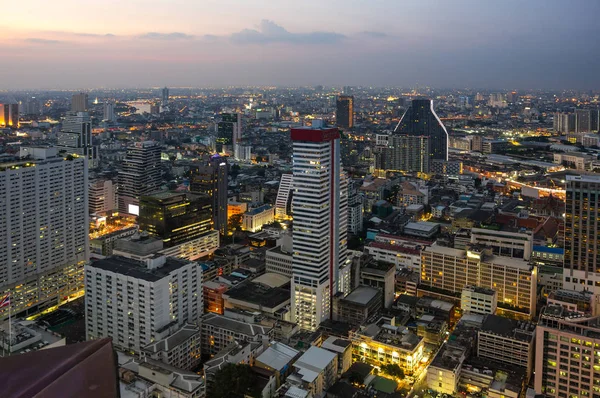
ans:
(229, 131)
(209, 176)
(176, 217)
(420, 120)
(344, 115)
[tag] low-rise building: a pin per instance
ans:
(218, 331)
(507, 341)
(253, 220)
(278, 358)
(358, 306)
(478, 300)
(213, 296)
(315, 371)
(180, 350)
(380, 275)
(387, 344)
(279, 258)
(343, 349)
(422, 229)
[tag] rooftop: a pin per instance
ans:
(137, 269)
(313, 362)
(362, 295)
(172, 341)
(259, 210)
(518, 330)
(259, 294)
(278, 356)
(223, 322)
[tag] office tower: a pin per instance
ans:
(420, 120)
(165, 96)
(583, 119)
(595, 120)
(174, 217)
(43, 229)
(409, 153)
(283, 202)
(140, 175)
(139, 302)
(582, 226)
(209, 176)
(79, 102)
(109, 112)
(320, 225)
(9, 115)
(229, 133)
(102, 195)
(567, 362)
(344, 115)
(75, 136)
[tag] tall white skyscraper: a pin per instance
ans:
(43, 229)
(320, 202)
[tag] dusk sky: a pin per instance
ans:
(507, 44)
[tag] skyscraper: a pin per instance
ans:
(109, 112)
(582, 233)
(79, 102)
(583, 119)
(9, 115)
(43, 229)
(320, 203)
(209, 177)
(421, 120)
(175, 217)
(140, 175)
(229, 134)
(75, 136)
(165, 96)
(564, 122)
(344, 116)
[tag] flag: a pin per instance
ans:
(5, 301)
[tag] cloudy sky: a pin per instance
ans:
(443, 43)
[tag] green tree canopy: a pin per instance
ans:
(234, 381)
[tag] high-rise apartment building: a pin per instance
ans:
(79, 102)
(344, 115)
(583, 120)
(9, 115)
(422, 123)
(165, 96)
(564, 122)
(567, 362)
(139, 302)
(175, 217)
(43, 229)
(140, 175)
(209, 177)
(109, 112)
(320, 201)
(229, 134)
(32, 106)
(582, 233)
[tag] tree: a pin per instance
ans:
(261, 172)
(235, 381)
(393, 370)
(235, 222)
(354, 243)
(355, 378)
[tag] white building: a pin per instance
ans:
(102, 196)
(253, 220)
(320, 263)
(505, 243)
(315, 371)
(478, 300)
(43, 229)
(109, 112)
(284, 195)
(279, 259)
(181, 349)
(139, 302)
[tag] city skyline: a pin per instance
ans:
(464, 44)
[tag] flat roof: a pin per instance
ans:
(362, 295)
(137, 269)
(519, 330)
(272, 279)
(223, 322)
(259, 294)
(278, 356)
(422, 226)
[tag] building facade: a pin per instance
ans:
(44, 229)
(209, 176)
(140, 175)
(320, 217)
(344, 115)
